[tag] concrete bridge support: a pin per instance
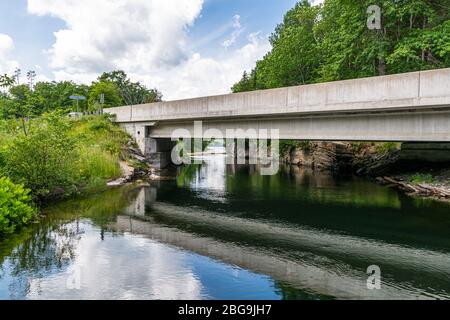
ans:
(426, 152)
(241, 151)
(159, 151)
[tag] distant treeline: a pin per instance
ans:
(30, 100)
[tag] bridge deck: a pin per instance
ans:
(409, 91)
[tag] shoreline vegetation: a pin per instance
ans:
(47, 154)
(380, 162)
(59, 158)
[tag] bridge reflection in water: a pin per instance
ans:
(307, 231)
(226, 232)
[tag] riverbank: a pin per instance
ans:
(382, 162)
(55, 157)
(421, 184)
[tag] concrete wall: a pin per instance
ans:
(426, 152)
(395, 92)
(137, 130)
(372, 127)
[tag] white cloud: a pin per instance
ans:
(147, 39)
(7, 64)
(236, 33)
(200, 76)
(130, 33)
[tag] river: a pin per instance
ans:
(226, 232)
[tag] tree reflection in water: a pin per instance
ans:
(49, 247)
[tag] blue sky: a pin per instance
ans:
(185, 48)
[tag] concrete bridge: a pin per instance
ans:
(410, 107)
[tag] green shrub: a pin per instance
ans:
(421, 178)
(61, 156)
(387, 147)
(286, 146)
(42, 161)
(16, 207)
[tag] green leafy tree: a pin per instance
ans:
(6, 81)
(332, 42)
(44, 159)
(110, 91)
(132, 93)
(19, 106)
(53, 96)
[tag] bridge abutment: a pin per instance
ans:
(159, 152)
(431, 152)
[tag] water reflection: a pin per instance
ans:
(225, 232)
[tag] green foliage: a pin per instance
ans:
(16, 208)
(19, 101)
(387, 147)
(421, 178)
(332, 42)
(111, 92)
(61, 156)
(6, 81)
(132, 93)
(52, 96)
(286, 146)
(42, 160)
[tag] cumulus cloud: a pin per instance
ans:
(131, 33)
(7, 64)
(201, 76)
(147, 39)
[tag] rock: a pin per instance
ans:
(376, 164)
(332, 156)
(127, 175)
(163, 174)
(301, 157)
(327, 156)
(138, 157)
(118, 182)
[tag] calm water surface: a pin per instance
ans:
(226, 232)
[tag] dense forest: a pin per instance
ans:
(333, 42)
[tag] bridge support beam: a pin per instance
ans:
(239, 150)
(426, 152)
(159, 151)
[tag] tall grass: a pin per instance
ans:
(62, 156)
(97, 163)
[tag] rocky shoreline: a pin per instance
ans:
(381, 162)
(134, 167)
(435, 190)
